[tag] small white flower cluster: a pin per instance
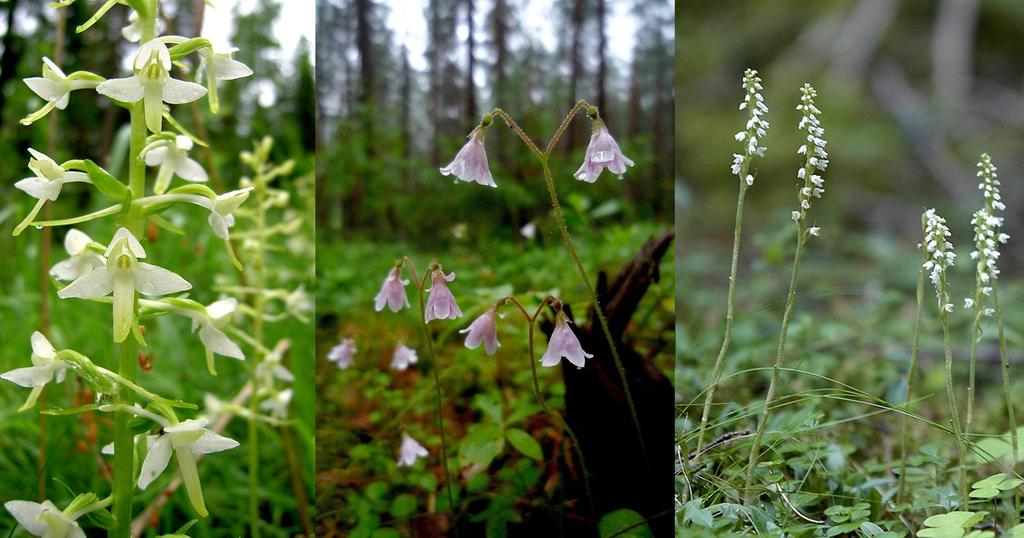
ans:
(987, 235)
(940, 255)
(755, 129)
(814, 150)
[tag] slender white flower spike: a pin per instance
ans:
(403, 357)
(392, 292)
(343, 353)
(564, 344)
(755, 130)
(987, 232)
(940, 255)
(83, 260)
(470, 163)
(410, 451)
(45, 519)
(152, 84)
(813, 150)
(47, 183)
(219, 65)
(484, 329)
(603, 152)
(123, 275)
(277, 405)
(184, 440)
(221, 217)
(173, 160)
(55, 88)
(45, 367)
(441, 302)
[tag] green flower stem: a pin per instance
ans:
(716, 372)
(975, 336)
(259, 305)
(438, 398)
(915, 356)
(124, 449)
(1007, 392)
(779, 354)
(951, 396)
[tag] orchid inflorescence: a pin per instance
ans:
(115, 273)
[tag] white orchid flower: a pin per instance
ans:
(218, 64)
(45, 367)
(209, 323)
(123, 275)
(152, 83)
(173, 160)
(45, 519)
(133, 32)
(221, 217)
(47, 183)
(55, 88)
(184, 440)
(82, 260)
(271, 368)
(277, 405)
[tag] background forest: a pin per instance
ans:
(277, 100)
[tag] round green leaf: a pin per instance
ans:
(623, 523)
(524, 443)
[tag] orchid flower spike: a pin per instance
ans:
(47, 183)
(403, 357)
(392, 292)
(82, 259)
(184, 440)
(940, 256)
(123, 275)
(55, 88)
(45, 519)
(603, 152)
(218, 64)
(172, 158)
(564, 344)
(410, 451)
(484, 329)
(470, 163)
(152, 84)
(343, 353)
(45, 367)
(441, 302)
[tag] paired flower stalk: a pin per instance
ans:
(115, 273)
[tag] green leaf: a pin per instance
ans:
(403, 506)
(183, 49)
(623, 523)
(481, 445)
(106, 183)
(693, 512)
(524, 443)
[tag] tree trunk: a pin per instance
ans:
(471, 111)
(576, 72)
(602, 58)
(9, 58)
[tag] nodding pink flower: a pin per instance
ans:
(603, 152)
(392, 292)
(441, 302)
(343, 353)
(484, 329)
(470, 164)
(403, 357)
(410, 451)
(564, 344)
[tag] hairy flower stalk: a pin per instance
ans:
(940, 258)
(915, 356)
(815, 161)
(750, 137)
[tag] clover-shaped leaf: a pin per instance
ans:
(992, 486)
(950, 525)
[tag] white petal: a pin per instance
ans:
(218, 342)
(153, 280)
(133, 244)
(75, 242)
(212, 442)
(42, 347)
(189, 170)
(33, 376)
(222, 308)
(39, 188)
(156, 156)
(127, 89)
(179, 92)
(190, 425)
(157, 458)
(26, 513)
(98, 283)
(230, 69)
(124, 304)
(49, 90)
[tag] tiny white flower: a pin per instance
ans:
(815, 231)
(55, 87)
(45, 367)
(46, 184)
(210, 323)
(152, 84)
(277, 405)
(221, 217)
(403, 357)
(529, 230)
(123, 275)
(218, 65)
(343, 353)
(45, 519)
(271, 368)
(968, 302)
(173, 160)
(410, 451)
(82, 259)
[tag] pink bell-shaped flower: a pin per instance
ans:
(441, 302)
(484, 329)
(564, 344)
(392, 292)
(403, 357)
(343, 353)
(603, 152)
(410, 451)
(470, 164)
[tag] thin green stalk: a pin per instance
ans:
(438, 400)
(716, 372)
(954, 413)
(915, 356)
(975, 336)
(779, 354)
(567, 239)
(1007, 392)
(259, 304)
